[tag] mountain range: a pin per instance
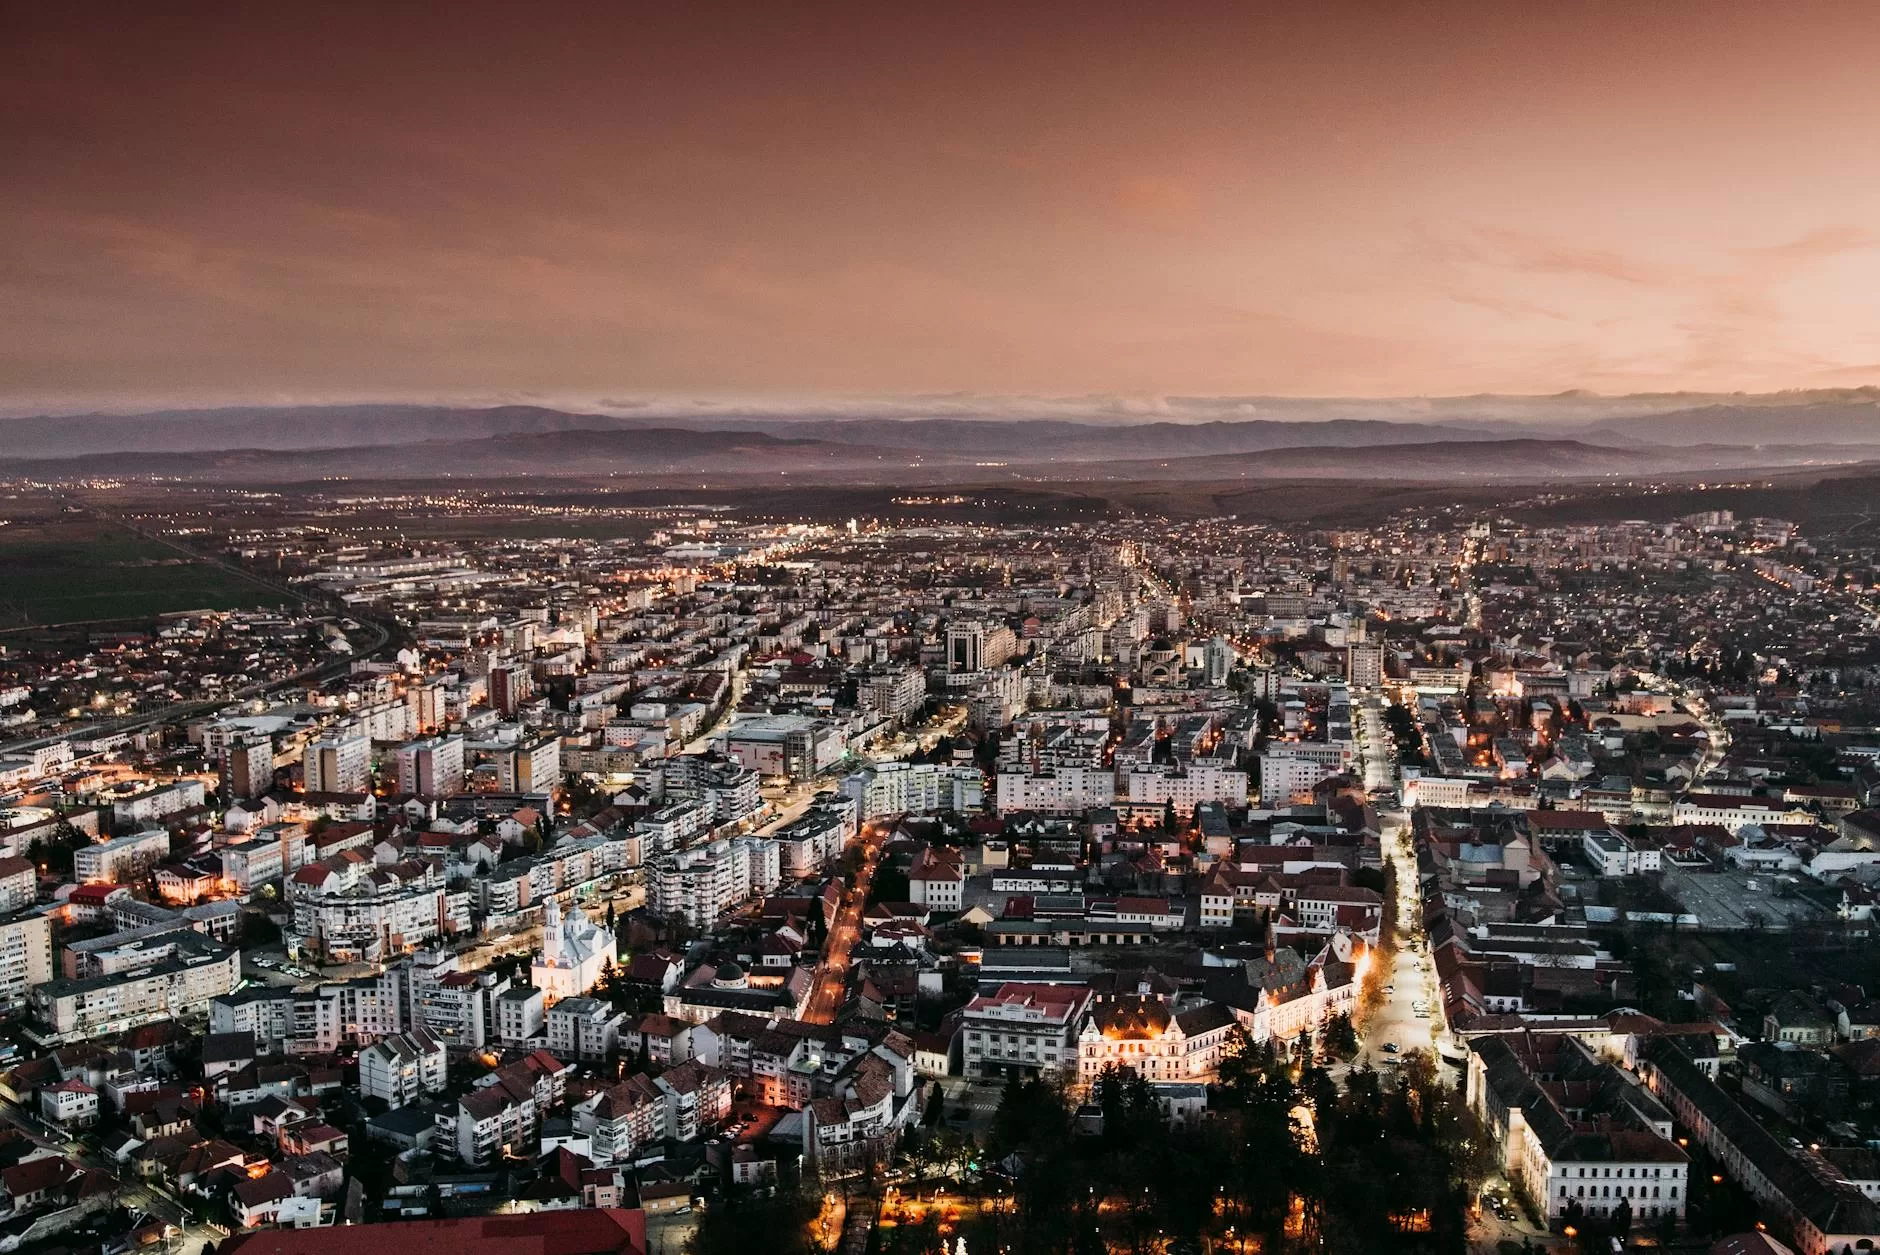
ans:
(279, 444)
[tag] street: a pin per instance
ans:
(132, 1193)
(832, 972)
(1412, 978)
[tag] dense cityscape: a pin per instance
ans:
(1459, 881)
(820, 628)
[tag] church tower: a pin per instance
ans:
(551, 934)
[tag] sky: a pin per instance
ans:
(209, 202)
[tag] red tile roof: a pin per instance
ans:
(589, 1231)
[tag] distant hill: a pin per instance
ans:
(1096, 430)
(1828, 422)
(1523, 458)
(281, 427)
(1046, 439)
(638, 451)
(749, 457)
(378, 426)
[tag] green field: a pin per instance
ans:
(79, 571)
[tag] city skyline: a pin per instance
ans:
(847, 201)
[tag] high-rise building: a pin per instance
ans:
(339, 762)
(431, 768)
(1365, 665)
(974, 646)
(510, 686)
(429, 707)
(25, 957)
(531, 766)
(1217, 659)
(248, 766)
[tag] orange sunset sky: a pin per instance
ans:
(208, 202)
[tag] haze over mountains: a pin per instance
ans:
(955, 438)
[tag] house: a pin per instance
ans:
(256, 1201)
(313, 1137)
(38, 1182)
(937, 880)
(315, 1175)
(227, 1053)
(1800, 1019)
(160, 1112)
(71, 1104)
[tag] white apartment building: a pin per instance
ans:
(504, 1114)
(583, 1028)
(121, 859)
(701, 884)
(975, 646)
(810, 842)
(380, 919)
(25, 957)
(271, 853)
(1203, 780)
(672, 826)
(1056, 790)
(316, 1021)
(622, 1119)
(1290, 769)
(521, 1015)
(1364, 665)
(458, 1007)
(403, 1068)
(895, 694)
(888, 790)
(19, 884)
(168, 989)
(529, 766)
(155, 803)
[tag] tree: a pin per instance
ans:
(258, 931)
(890, 884)
(1341, 1039)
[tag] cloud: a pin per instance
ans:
(1518, 250)
(1822, 242)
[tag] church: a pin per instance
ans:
(574, 954)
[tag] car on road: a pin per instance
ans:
(1391, 1047)
(1390, 989)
